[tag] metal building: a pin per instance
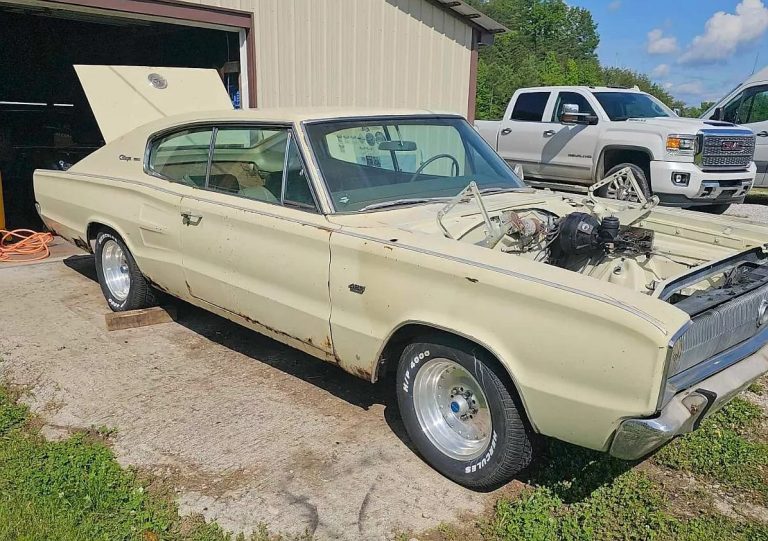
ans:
(269, 53)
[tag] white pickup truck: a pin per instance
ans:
(568, 137)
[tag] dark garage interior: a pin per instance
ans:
(45, 120)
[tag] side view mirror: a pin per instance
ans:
(718, 114)
(676, 110)
(570, 115)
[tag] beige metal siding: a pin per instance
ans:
(367, 53)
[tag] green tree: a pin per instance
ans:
(549, 43)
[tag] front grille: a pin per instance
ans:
(721, 328)
(726, 151)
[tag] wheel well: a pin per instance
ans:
(93, 231)
(615, 156)
(390, 355)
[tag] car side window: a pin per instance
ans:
(297, 191)
(259, 163)
(182, 156)
(573, 98)
(736, 111)
(530, 106)
(754, 108)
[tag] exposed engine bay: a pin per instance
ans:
(612, 246)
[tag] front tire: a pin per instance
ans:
(622, 189)
(121, 281)
(461, 416)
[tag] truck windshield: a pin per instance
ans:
(375, 163)
(625, 105)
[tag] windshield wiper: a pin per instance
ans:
(398, 202)
(501, 190)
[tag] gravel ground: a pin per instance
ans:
(246, 430)
(757, 213)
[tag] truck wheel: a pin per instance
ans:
(713, 209)
(123, 285)
(622, 189)
(461, 417)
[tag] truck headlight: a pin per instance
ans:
(681, 144)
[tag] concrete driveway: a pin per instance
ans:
(247, 431)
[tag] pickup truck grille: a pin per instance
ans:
(722, 327)
(720, 151)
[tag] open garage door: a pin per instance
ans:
(45, 118)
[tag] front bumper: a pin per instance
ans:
(635, 438)
(704, 187)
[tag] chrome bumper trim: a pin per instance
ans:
(635, 438)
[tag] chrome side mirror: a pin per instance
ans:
(569, 113)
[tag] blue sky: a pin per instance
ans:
(697, 49)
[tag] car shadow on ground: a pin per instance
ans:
(571, 472)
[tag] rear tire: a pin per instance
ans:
(121, 281)
(461, 416)
(617, 192)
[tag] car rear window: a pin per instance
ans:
(530, 106)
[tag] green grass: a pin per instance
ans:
(613, 504)
(581, 495)
(75, 490)
(724, 450)
(757, 196)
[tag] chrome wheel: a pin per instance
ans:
(622, 189)
(452, 409)
(114, 265)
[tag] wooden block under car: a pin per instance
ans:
(117, 321)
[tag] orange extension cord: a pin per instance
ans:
(24, 245)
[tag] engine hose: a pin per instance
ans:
(24, 245)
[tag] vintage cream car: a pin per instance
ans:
(400, 241)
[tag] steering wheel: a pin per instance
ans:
(455, 167)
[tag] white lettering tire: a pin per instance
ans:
(462, 417)
(121, 281)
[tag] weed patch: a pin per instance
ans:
(723, 451)
(74, 490)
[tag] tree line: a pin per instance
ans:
(549, 43)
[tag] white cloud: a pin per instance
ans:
(691, 88)
(725, 33)
(615, 5)
(658, 43)
(661, 71)
(668, 85)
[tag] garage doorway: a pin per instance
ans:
(45, 119)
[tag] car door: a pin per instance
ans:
(750, 109)
(253, 242)
(521, 136)
(569, 148)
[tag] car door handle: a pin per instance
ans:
(188, 218)
(549, 133)
(506, 131)
(763, 134)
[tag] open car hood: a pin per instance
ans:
(126, 97)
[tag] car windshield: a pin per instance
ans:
(625, 105)
(377, 163)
